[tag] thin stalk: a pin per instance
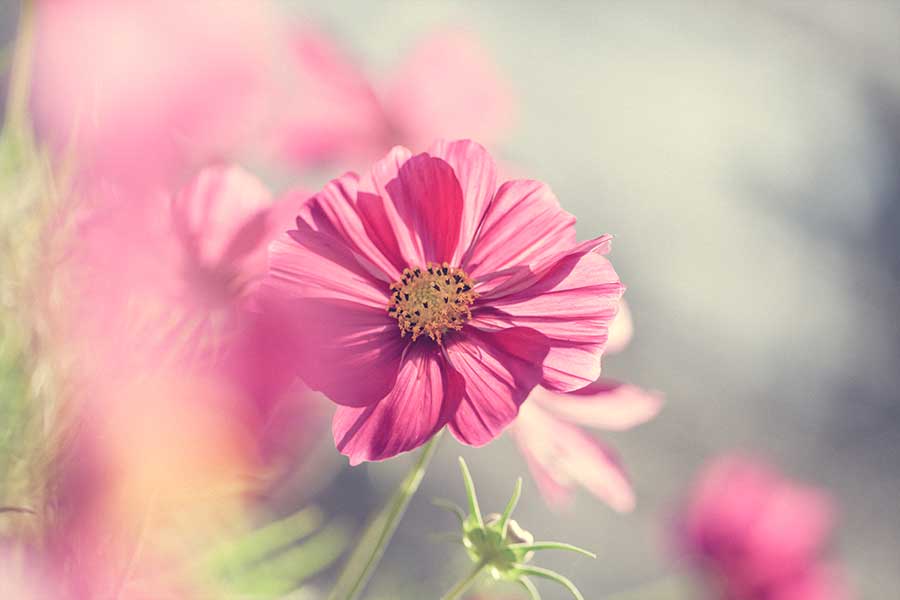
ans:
(463, 586)
(362, 562)
(20, 72)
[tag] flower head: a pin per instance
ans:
(757, 535)
(428, 295)
(499, 545)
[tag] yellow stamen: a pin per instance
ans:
(432, 300)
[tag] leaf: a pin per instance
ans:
(552, 576)
(552, 546)
(510, 507)
(474, 510)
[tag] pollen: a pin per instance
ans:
(432, 300)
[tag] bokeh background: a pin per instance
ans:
(745, 155)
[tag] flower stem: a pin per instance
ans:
(462, 587)
(362, 562)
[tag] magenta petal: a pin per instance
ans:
(524, 224)
(605, 404)
(562, 456)
(500, 369)
(334, 212)
(345, 350)
(571, 299)
(424, 395)
(477, 175)
(428, 198)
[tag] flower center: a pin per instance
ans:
(432, 301)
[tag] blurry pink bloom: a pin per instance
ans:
(142, 91)
(162, 283)
(561, 455)
(447, 88)
(492, 293)
(758, 535)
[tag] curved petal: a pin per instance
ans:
(477, 175)
(424, 395)
(571, 299)
(428, 197)
(306, 263)
(621, 331)
(335, 212)
(500, 370)
(605, 404)
(562, 456)
(525, 224)
(345, 350)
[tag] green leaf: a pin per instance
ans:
(530, 588)
(510, 507)
(450, 506)
(474, 510)
(552, 546)
(552, 576)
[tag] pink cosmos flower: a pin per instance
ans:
(561, 454)
(448, 86)
(141, 92)
(758, 535)
(429, 295)
(161, 284)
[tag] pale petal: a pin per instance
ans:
(500, 369)
(621, 331)
(563, 456)
(424, 395)
(605, 404)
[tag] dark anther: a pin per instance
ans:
(418, 313)
(457, 278)
(466, 288)
(392, 309)
(425, 304)
(444, 270)
(406, 296)
(446, 299)
(447, 281)
(436, 286)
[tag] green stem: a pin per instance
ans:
(20, 72)
(463, 586)
(358, 568)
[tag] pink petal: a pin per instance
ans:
(347, 351)
(477, 175)
(449, 87)
(332, 112)
(524, 224)
(223, 217)
(336, 213)
(425, 394)
(499, 369)
(605, 404)
(307, 262)
(562, 456)
(571, 299)
(429, 199)
(621, 331)
(378, 199)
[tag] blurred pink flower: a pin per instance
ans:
(448, 87)
(489, 282)
(757, 535)
(143, 91)
(161, 284)
(561, 454)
